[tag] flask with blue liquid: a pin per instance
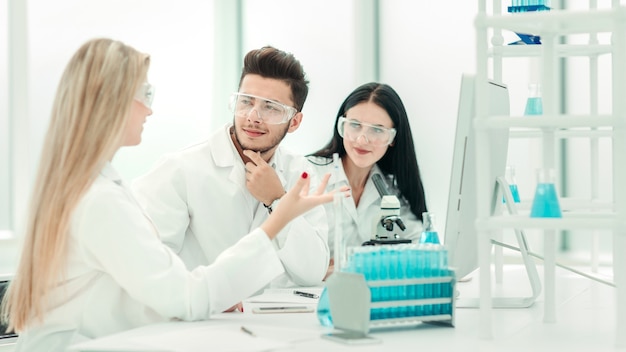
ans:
(323, 309)
(429, 234)
(534, 105)
(546, 201)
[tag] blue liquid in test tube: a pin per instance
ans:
(428, 272)
(420, 291)
(511, 180)
(515, 193)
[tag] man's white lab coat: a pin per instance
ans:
(199, 201)
(119, 275)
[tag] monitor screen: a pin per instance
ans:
(460, 234)
(10, 336)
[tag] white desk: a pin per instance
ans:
(299, 332)
(585, 309)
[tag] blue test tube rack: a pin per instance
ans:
(397, 285)
(519, 6)
(527, 6)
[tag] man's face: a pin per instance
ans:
(251, 132)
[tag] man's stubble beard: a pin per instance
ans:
(263, 150)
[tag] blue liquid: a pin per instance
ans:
(546, 202)
(323, 309)
(533, 106)
(398, 262)
(429, 237)
(514, 193)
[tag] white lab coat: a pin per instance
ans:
(199, 201)
(357, 223)
(119, 275)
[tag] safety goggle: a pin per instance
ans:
(354, 129)
(270, 111)
(145, 94)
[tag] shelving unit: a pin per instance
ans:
(552, 26)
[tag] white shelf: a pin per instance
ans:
(575, 221)
(562, 50)
(550, 122)
(562, 134)
(555, 22)
(585, 214)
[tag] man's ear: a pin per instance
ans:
(295, 122)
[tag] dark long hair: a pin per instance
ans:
(400, 161)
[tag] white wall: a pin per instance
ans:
(424, 50)
(579, 158)
(5, 212)
(425, 47)
(321, 34)
(178, 35)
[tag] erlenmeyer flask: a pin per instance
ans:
(534, 106)
(429, 234)
(546, 201)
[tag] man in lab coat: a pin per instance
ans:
(204, 198)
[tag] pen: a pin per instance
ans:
(244, 329)
(306, 294)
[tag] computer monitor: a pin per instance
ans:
(460, 238)
(9, 337)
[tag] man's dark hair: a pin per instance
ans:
(270, 62)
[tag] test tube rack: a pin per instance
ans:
(355, 311)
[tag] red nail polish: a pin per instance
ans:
(305, 175)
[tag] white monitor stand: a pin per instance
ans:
(529, 263)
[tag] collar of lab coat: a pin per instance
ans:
(342, 179)
(109, 172)
(223, 159)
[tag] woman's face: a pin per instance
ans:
(138, 113)
(361, 151)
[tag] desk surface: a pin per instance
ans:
(281, 331)
(585, 322)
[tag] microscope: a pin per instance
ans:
(388, 226)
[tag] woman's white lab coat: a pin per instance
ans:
(119, 275)
(198, 199)
(357, 223)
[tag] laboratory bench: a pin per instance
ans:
(585, 322)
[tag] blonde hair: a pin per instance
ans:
(89, 116)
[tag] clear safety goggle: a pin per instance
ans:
(374, 134)
(145, 94)
(270, 111)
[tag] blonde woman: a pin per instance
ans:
(92, 262)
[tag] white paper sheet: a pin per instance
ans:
(202, 339)
(186, 339)
(286, 295)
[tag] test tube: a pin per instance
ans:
(340, 247)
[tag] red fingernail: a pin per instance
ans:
(305, 175)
